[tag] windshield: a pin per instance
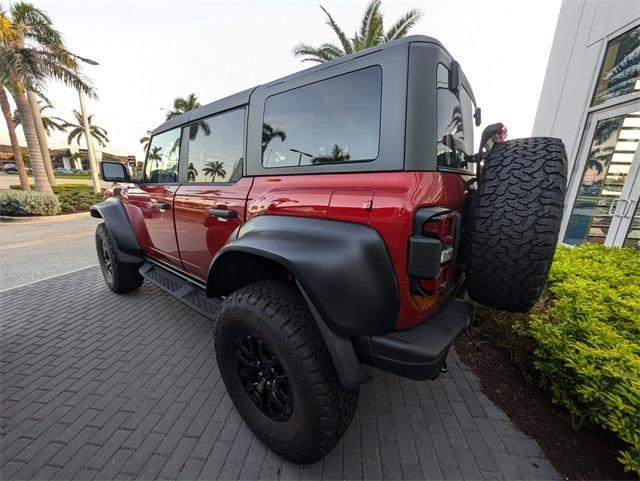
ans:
(455, 124)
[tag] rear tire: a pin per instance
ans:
(273, 317)
(515, 222)
(119, 277)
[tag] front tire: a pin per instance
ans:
(296, 405)
(120, 278)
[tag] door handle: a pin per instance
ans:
(161, 206)
(223, 213)
(613, 207)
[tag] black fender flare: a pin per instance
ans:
(342, 269)
(112, 212)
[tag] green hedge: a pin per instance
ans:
(583, 338)
(74, 197)
(18, 203)
(588, 340)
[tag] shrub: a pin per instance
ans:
(28, 203)
(77, 199)
(74, 197)
(588, 340)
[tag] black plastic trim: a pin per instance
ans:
(345, 359)
(420, 352)
(343, 267)
(115, 218)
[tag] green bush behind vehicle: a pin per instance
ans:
(18, 203)
(588, 340)
(583, 339)
(72, 197)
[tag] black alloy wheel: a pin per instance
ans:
(263, 378)
(107, 260)
(120, 277)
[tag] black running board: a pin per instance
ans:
(182, 289)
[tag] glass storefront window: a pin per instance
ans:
(620, 73)
(615, 142)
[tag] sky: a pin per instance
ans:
(149, 52)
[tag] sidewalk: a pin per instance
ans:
(100, 386)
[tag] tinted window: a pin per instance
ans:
(216, 146)
(620, 73)
(162, 158)
(332, 121)
(455, 123)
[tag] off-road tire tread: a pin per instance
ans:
(280, 305)
(515, 222)
(125, 278)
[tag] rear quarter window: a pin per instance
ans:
(332, 121)
(454, 124)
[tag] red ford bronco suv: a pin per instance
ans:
(331, 219)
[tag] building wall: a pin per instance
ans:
(584, 27)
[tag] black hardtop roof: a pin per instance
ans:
(242, 98)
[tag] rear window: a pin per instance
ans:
(455, 123)
(328, 122)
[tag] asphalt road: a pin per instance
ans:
(32, 251)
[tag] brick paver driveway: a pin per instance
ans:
(96, 385)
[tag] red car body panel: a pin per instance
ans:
(188, 237)
(200, 235)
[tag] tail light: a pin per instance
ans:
(442, 228)
(432, 250)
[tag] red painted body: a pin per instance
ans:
(187, 237)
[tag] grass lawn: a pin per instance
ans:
(60, 176)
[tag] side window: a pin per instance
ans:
(216, 147)
(331, 121)
(455, 123)
(162, 158)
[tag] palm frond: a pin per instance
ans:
(370, 17)
(344, 40)
(21, 68)
(324, 53)
(53, 68)
(402, 26)
(76, 133)
(37, 24)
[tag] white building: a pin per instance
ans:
(591, 100)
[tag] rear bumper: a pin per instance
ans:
(420, 352)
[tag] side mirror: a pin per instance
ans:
(114, 172)
(477, 115)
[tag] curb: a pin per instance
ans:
(44, 218)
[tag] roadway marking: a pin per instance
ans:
(76, 235)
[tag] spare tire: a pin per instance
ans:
(515, 221)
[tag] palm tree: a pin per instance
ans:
(269, 132)
(77, 131)
(17, 153)
(155, 155)
(50, 124)
(145, 141)
(214, 169)
(182, 105)
(370, 34)
(32, 51)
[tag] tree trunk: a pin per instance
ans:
(42, 136)
(29, 129)
(17, 153)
